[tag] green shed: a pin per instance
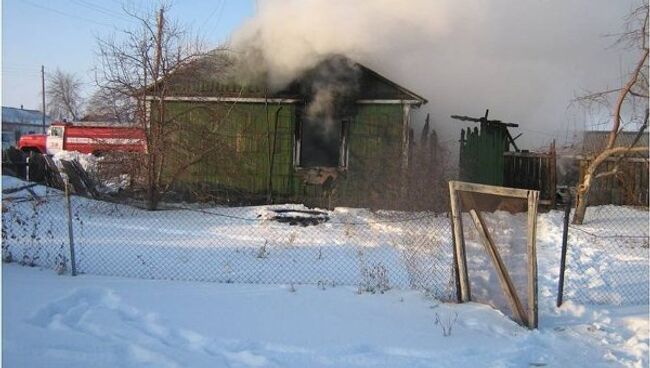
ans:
(336, 136)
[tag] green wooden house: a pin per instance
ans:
(336, 136)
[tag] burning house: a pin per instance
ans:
(336, 135)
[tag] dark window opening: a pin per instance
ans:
(322, 143)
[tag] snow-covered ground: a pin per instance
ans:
(92, 320)
(100, 321)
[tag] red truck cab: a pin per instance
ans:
(33, 143)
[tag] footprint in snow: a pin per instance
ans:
(137, 337)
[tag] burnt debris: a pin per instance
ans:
(300, 217)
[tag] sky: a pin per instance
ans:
(62, 34)
(526, 61)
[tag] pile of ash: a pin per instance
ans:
(299, 217)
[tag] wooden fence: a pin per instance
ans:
(629, 186)
(481, 155)
(531, 170)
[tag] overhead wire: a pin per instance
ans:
(93, 21)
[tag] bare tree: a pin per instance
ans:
(64, 95)
(108, 105)
(140, 67)
(632, 95)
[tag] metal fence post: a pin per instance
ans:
(73, 266)
(565, 236)
(27, 167)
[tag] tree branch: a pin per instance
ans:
(621, 97)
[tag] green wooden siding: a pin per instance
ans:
(374, 155)
(232, 142)
(481, 155)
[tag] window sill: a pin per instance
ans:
(319, 175)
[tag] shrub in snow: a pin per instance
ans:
(263, 252)
(61, 265)
(14, 226)
(6, 253)
(374, 279)
(29, 260)
(31, 253)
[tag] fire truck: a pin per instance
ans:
(86, 138)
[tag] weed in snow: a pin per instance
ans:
(227, 269)
(321, 284)
(263, 252)
(6, 253)
(61, 265)
(446, 324)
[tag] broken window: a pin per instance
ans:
(322, 142)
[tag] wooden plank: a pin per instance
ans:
(504, 277)
(459, 244)
(18, 189)
(539, 167)
(489, 189)
(533, 201)
(52, 174)
(553, 174)
(459, 296)
(507, 170)
(526, 154)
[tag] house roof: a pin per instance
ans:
(403, 90)
(205, 78)
(595, 141)
(14, 115)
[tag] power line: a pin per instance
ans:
(4, 65)
(18, 78)
(100, 9)
(26, 71)
(67, 14)
(219, 7)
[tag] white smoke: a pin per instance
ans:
(292, 36)
(524, 60)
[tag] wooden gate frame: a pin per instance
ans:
(527, 318)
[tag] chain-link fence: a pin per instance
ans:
(607, 256)
(277, 244)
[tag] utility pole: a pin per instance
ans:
(43, 92)
(159, 35)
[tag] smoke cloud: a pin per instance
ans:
(332, 85)
(524, 60)
(292, 36)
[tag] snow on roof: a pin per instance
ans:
(14, 115)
